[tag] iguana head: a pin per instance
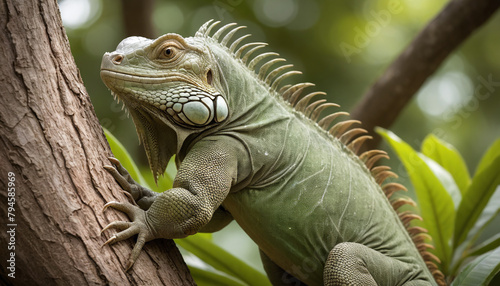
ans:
(172, 88)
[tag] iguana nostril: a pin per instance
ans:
(117, 59)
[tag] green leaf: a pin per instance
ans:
(445, 178)
(171, 170)
(488, 245)
(436, 204)
(475, 199)
(222, 260)
(165, 181)
(480, 271)
(212, 277)
(125, 159)
(492, 153)
(487, 217)
(448, 157)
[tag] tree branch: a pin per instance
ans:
(387, 97)
(51, 172)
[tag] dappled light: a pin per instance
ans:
(446, 94)
(79, 13)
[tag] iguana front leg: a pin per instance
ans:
(202, 183)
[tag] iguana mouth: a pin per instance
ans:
(141, 79)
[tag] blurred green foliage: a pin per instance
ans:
(341, 46)
(459, 212)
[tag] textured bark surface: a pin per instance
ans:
(52, 144)
(388, 96)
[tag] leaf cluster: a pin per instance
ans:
(459, 211)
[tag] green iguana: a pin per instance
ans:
(249, 149)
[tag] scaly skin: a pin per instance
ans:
(308, 201)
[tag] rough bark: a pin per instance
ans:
(53, 146)
(387, 97)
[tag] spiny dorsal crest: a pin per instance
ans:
(353, 138)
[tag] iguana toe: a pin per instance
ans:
(121, 170)
(132, 211)
(133, 190)
(130, 197)
(141, 240)
(120, 225)
(124, 180)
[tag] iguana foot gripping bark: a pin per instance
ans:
(251, 149)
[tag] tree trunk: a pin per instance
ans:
(53, 185)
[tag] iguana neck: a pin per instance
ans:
(251, 104)
(247, 96)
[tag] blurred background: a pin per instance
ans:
(342, 46)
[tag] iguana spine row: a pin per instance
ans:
(351, 137)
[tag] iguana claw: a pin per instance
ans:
(111, 240)
(107, 205)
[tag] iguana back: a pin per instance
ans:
(254, 152)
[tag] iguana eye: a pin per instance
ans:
(168, 52)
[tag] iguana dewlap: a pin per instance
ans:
(250, 149)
